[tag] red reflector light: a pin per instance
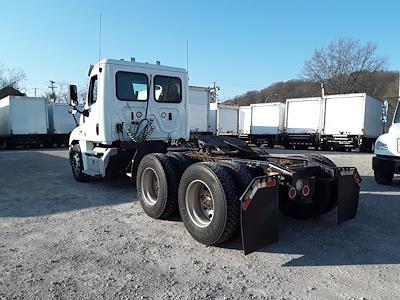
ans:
(306, 190)
(292, 192)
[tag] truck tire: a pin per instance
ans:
(240, 174)
(157, 183)
(182, 161)
(208, 203)
(75, 158)
(384, 178)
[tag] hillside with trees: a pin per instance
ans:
(344, 66)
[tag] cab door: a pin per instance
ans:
(91, 126)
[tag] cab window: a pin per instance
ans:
(132, 86)
(397, 116)
(93, 90)
(167, 89)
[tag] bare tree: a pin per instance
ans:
(11, 76)
(344, 65)
(61, 93)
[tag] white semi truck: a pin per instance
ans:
(135, 122)
(386, 161)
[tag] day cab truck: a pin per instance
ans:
(135, 122)
(386, 161)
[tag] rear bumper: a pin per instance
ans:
(390, 164)
(343, 141)
(260, 206)
(300, 139)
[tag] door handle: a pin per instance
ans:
(97, 128)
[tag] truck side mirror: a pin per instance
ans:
(72, 95)
(85, 113)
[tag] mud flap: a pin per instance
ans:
(348, 191)
(259, 213)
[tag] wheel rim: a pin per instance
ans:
(199, 203)
(76, 163)
(150, 186)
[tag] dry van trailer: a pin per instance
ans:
(267, 123)
(61, 123)
(199, 105)
(302, 122)
(23, 122)
(351, 121)
(244, 121)
(224, 119)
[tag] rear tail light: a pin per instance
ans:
(306, 190)
(292, 192)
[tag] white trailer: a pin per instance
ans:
(224, 119)
(23, 120)
(244, 121)
(61, 123)
(199, 101)
(267, 123)
(302, 125)
(351, 121)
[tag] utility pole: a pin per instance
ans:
(214, 92)
(53, 95)
(35, 89)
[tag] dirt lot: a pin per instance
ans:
(61, 239)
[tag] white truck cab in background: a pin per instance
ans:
(386, 161)
(127, 102)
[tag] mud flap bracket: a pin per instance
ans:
(259, 213)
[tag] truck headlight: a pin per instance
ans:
(381, 146)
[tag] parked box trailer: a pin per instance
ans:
(23, 120)
(61, 123)
(199, 101)
(244, 120)
(224, 119)
(351, 121)
(267, 123)
(302, 124)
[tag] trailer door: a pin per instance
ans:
(344, 115)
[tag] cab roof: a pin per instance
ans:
(140, 65)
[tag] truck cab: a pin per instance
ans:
(128, 103)
(386, 161)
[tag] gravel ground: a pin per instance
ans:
(68, 240)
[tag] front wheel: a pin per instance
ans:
(383, 177)
(75, 158)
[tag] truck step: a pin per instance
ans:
(95, 154)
